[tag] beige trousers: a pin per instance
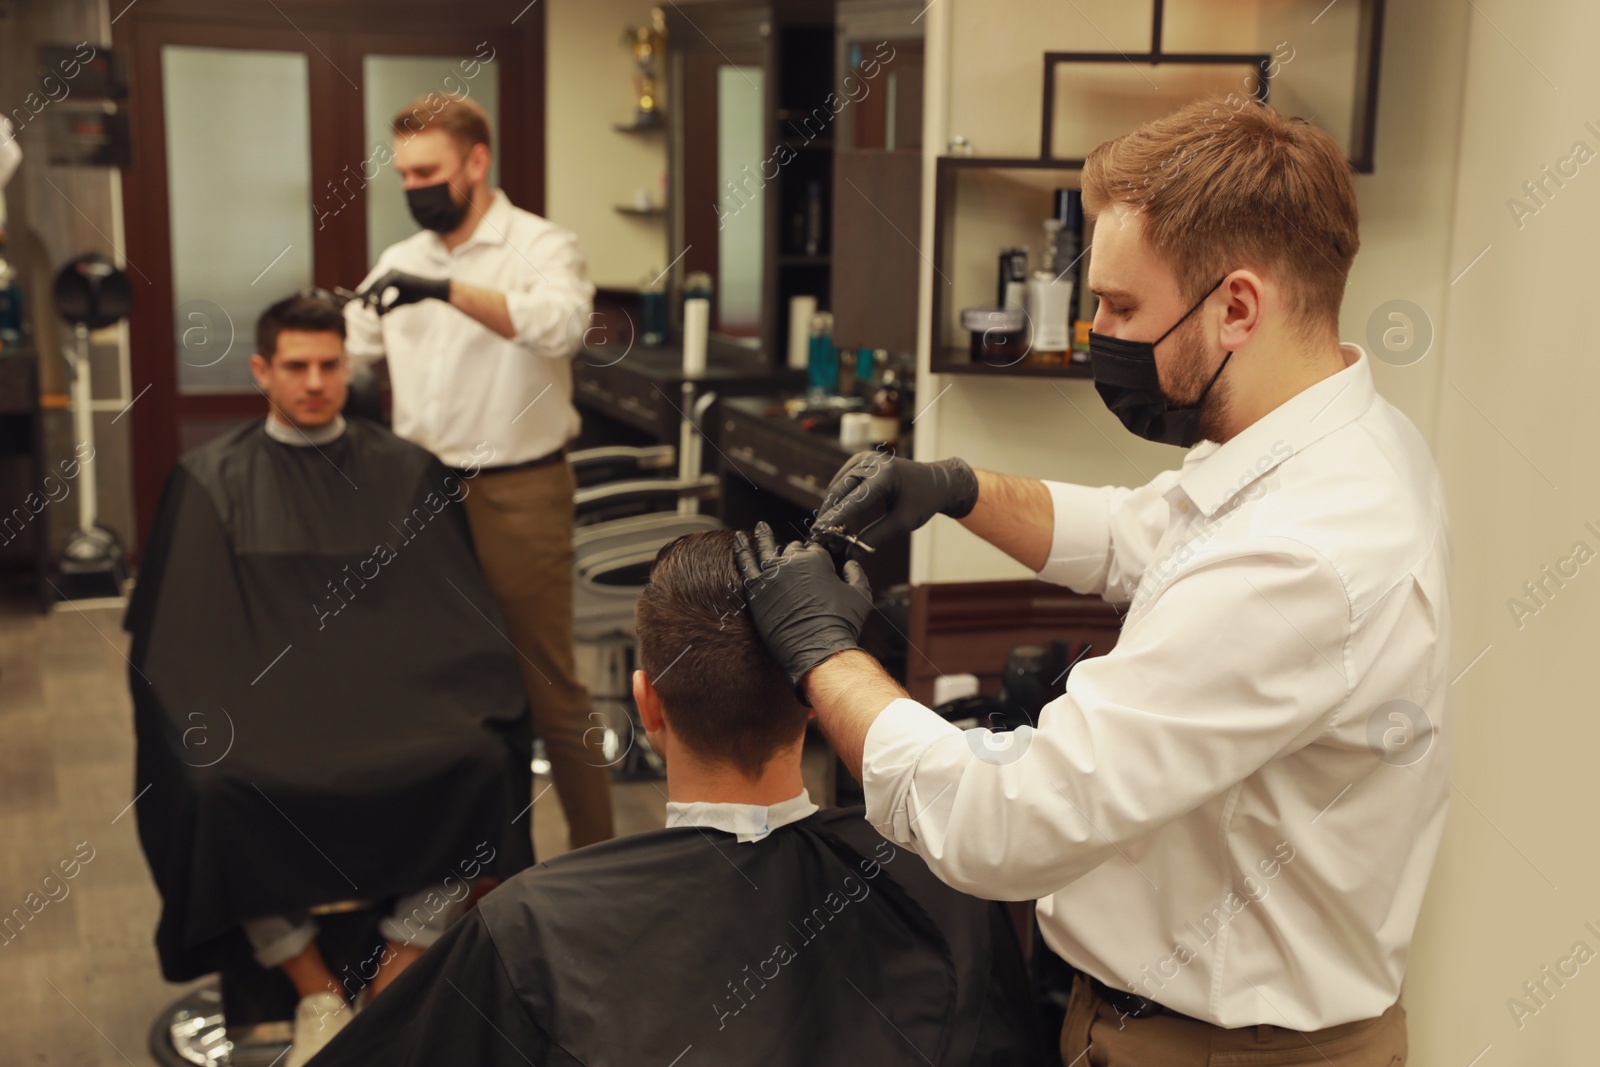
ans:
(522, 527)
(1096, 1035)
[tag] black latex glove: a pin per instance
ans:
(801, 607)
(408, 289)
(879, 497)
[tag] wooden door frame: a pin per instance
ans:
(334, 34)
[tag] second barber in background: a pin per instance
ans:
(476, 315)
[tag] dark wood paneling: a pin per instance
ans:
(877, 220)
(970, 627)
(334, 35)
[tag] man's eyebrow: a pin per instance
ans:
(1113, 294)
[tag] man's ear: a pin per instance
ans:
(261, 370)
(478, 159)
(1246, 292)
(650, 714)
(649, 702)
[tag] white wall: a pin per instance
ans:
(589, 166)
(1515, 438)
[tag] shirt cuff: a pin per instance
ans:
(895, 743)
(553, 322)
(1080, 547)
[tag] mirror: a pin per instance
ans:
(740, 230)
(718, 214)
(886, 75)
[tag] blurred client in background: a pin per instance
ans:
(310, 663)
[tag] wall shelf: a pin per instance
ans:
(956, 360)
(1008, 198)
(636, 126)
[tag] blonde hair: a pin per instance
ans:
(462, 118)
(1221, 187)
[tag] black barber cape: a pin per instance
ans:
(821, 944)
(326, 708)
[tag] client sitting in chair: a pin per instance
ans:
(326, 707)
(753, 929)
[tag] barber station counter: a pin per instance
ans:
(777, 468)
(773, 468)
(637, 393)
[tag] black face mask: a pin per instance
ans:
(1125, 376)
(434, 208)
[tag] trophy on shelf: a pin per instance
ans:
(647, 44)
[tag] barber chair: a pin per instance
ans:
(620, 525)
(616, 463)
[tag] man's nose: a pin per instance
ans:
(314, 380)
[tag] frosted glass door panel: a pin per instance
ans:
(239, 199)
(740, 155)
(392, 82)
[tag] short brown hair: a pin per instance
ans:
(462, 118)
(726, 697)
(304, 311)
(1221, 187)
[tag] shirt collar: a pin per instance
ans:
(1213, 474)
(490, 230)
(749, 822)
(293, 435)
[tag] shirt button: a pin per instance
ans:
(1183, 506)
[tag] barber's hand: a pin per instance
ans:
(397, 287)
(880, 497)
(801, 607)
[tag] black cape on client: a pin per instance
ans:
(326, 708)
(822, 944)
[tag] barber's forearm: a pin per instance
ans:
(848, 690)
(1016, 515)
(487, 306)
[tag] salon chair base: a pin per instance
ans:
(245, 1018)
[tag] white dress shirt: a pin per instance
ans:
(468, 395)
(747, 822)
(1223, 814)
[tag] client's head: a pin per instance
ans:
(299, 360)
(709, 693)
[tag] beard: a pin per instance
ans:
(1194, 368)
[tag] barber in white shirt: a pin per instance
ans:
(1229, 820)
(479, 314)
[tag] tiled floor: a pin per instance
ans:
(79, 981)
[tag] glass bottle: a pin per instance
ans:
(885, 409)
(822, 377)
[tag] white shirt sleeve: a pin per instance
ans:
(10, 153)
(363, 329)
(1105, 537)
(1239, 659)
(551, 303)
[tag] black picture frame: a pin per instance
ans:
(1368, 56)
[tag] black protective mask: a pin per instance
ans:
(434, 208)
(1125, 376)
